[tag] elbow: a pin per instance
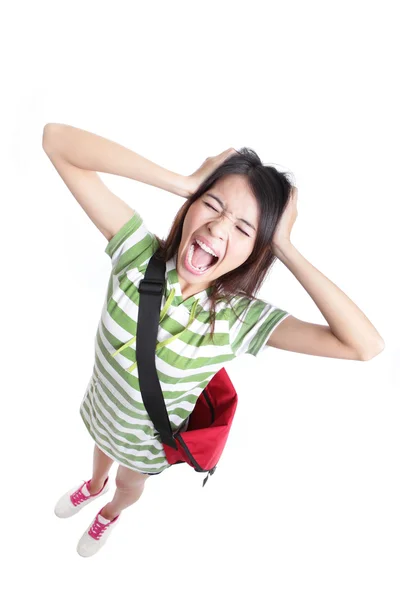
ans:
(48, 133)
(380, 346)
(45, 136)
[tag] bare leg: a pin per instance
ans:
(101, 466)
(130, 486)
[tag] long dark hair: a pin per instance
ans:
(271, 188)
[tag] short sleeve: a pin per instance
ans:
(132, 245)
(258, 319)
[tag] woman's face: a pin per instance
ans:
(222, 226)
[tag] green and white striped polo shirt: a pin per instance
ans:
(186, 357)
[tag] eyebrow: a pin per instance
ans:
(223, 206)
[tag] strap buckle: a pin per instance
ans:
(151, 286)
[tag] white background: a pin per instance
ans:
(311, 87)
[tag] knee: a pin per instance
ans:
(127, 479)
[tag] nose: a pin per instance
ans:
(220, 227)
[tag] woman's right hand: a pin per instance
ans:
(207, 167)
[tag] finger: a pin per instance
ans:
(227, 152)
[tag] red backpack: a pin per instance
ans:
(202, 444)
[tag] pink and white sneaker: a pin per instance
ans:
(76, 498)
(96, 535)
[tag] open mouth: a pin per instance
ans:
(198, 260)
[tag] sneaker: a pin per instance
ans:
(76, 498)
(96, 535)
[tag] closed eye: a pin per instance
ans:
(211, 206)
(218, 211)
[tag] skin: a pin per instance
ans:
(222, 228)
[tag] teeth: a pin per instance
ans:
(206, 248)
(190, 256)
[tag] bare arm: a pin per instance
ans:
(77, 155)
(91, 152)
(349, 332)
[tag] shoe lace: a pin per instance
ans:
(97, 529)
(78, 496)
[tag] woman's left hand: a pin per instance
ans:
(286, 222)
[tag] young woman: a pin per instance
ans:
(236, 220)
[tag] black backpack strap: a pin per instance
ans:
(151, 289)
